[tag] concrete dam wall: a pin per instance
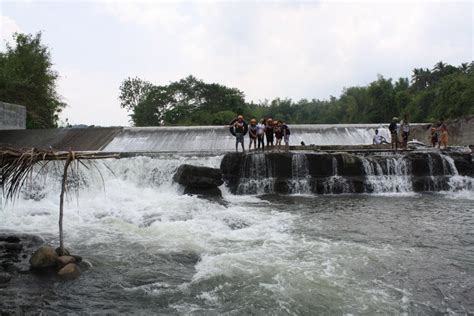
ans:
(184, 139)
(12, 116)
(211, 138)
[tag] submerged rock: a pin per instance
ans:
(44, 257)
(69, 272)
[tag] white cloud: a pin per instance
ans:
(92, 97)
(8, 26)
(295, 50)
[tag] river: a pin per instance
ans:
(153, 250)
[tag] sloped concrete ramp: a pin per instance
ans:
(78, 139)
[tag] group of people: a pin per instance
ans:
(438, 135)
(273, 130)
(402, 130)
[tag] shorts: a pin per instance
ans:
(394, 138)
(239, 138)
(405, 136)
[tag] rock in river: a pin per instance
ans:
(69, 272)
(44, 257)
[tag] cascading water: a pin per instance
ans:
(336, 183)
(299, 182)
(456, 182)
(386, 174)
(256, 175)
(154, 250)
(218, 138)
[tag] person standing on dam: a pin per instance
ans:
(443, 131)
(393, 128)
(286, 134)
(238, 128)
(253, 134)
(405, 129)
(261, 133)
(269, 132)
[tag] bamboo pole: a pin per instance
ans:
(70, 158)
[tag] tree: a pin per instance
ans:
(133, 91)
(27, 78)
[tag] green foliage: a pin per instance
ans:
(188, 101)
(443, 92)
(27, 78)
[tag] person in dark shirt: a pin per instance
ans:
(239, 131)
(286, 135)
(269, 132)
(253, 134)
(394, 132)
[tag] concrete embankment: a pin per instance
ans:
(12, 116)
(80, 139)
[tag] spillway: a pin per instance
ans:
(187, 138)
(218, 138)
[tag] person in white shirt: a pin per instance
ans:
(261, 133)
(405, 128)
(379, 139)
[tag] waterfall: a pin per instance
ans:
(256, 175)
(218, 138)
(393, 176)
(456, 182)
(299, 183)
(336, 183)
(334, 173)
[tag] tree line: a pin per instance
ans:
(443, 92)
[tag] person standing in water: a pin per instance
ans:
(261, 133)
(269, 132)
(253, 134)
(405, 128)
(239, 130)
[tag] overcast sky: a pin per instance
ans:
(310, 49)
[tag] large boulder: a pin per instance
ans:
(44, 257)
(198, 177)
